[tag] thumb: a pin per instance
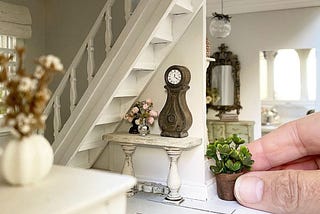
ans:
(286, 191)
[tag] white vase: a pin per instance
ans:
(27, 160)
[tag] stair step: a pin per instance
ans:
(146, 60)
(134, 83)
(115, 111)
(164, 31)
(182, 7)
(106, 118)
(158, 40)
(144, 66)
(128, 87)
(127, 93)
(93, 145)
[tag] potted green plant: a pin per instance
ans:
(231, 159)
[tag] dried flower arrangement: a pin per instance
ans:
(27, 94)
(142, 110)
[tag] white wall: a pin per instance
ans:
(69, 22)
(254, 32)
(152, 164)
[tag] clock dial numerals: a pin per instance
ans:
(174, 77)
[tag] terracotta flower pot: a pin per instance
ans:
(225, 185)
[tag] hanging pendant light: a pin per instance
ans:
(220, 26)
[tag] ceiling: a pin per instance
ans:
(248, 6)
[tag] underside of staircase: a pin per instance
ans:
(149, 35)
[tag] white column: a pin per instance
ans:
(303, 56)
(270, 56)
(317, 107)
(173, 182)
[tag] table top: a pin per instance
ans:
(64, 190)
(153, 140)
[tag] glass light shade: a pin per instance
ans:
(220, 27)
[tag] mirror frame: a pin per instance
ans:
(225, 57)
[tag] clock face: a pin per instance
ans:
(174, 76)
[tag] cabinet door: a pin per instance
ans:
(241, 130)
(210, 131)
(219, 131)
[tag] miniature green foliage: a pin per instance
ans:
(233, 166)
(230, 155)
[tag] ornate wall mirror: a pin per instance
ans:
(223, 82)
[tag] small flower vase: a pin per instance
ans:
(134, 128)
(143, 128)
(27, 160)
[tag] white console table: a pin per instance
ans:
(173, 147)
(68, 190)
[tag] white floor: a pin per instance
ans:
(149, 203)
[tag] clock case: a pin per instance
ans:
(175, 118)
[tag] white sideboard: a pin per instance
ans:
(68, 190)
(218, 129)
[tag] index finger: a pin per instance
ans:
(294, 140)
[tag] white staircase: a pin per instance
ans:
(149, 35)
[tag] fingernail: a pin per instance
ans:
(249, 189)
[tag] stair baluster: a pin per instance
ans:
(108, 20)
(57, 116)
(73, 89)
(90, 62)
(127, 9)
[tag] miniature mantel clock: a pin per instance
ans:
(175, 117)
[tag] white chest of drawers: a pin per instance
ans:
(68, 191)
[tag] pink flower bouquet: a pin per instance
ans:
(142, 110)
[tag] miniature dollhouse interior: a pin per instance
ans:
(127, 61)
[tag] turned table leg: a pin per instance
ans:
(173, 181)
(128, 150)
(127, 169)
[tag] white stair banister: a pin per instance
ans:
(70, 75)
(73, 89)
(90, 62)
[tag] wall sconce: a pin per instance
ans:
(220, 25)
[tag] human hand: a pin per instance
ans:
(286, 175)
